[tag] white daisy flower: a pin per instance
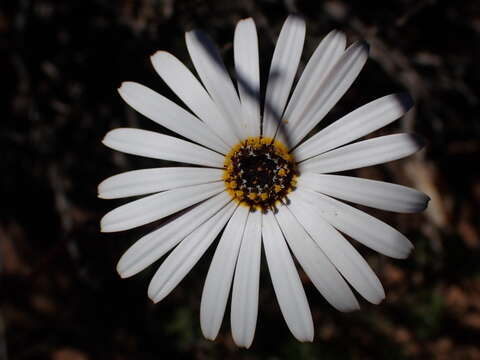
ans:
(258, 180)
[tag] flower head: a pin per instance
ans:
(258, 181)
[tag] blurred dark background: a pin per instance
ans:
(61, 63)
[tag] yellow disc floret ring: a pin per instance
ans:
(259, 172)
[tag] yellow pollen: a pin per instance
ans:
(259, 172)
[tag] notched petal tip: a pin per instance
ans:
(124, 269)
(306, 338)
(100, 190)
(126, 86)
(417, 140)
(108, 135)
(208, 337)
(122, 86)
(364, 44)
(104, 228)
(361, 45)
(403, 255)
(356, 307)
(425, 201)
(112, 134)
(158, 54)
(242, 344)
(155, 293)
(337, 33)
(152, 296)
(295, 17)
(122, 274)
(405, 101)
(246, 20)
(208, 333)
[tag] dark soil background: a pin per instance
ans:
(61, 62)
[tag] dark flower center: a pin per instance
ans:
(259, 172)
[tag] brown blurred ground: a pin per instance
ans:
(61, 63)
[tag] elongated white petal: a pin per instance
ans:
(325, 56)
(358, 123)
(219, 277)
(340, 252)
(376, 194)
(316, 265)
(154, 245)
(181, 260)
(147, 181)
(159, 146)
(245, 46)
(246, 282)
(215, 77)
(186, 86)
(166, 113)
(333, 87)
(282, 72)
(362, 227)
(374, 151)
(286, 282)
(156, 207)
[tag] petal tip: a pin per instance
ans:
(123, 274)
(155, 299)
(246, 20)
(407, 251)
(208, 335)
(295, 18)
(405, 100)
(365, 46)
(242, 345)
(157, 54)
(418, 141)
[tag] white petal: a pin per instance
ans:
(168, 114)
(245, 46)
(333, 87)
(219, 277)
(362, 227)
(326, 55)
(154, 245)
(282, 72)
(156, 207)
(245, 285)
(374, 151)
(186, 86)
(316, 265)
(181, 260)
(356, 124)
(340, 252)
(147, 181)
(376, 194)
(159, 146)
(286, 282)
(215, 77)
